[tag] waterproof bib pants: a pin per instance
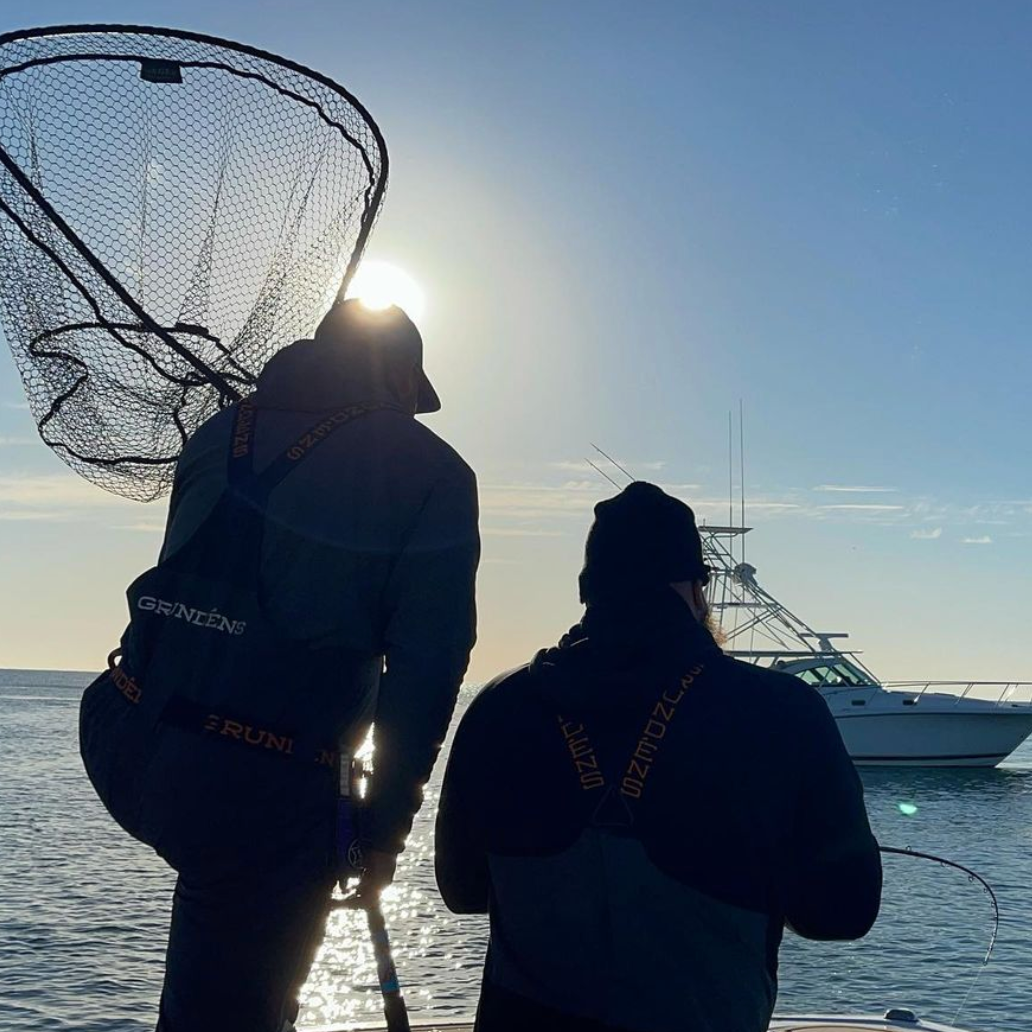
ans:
(213, 740)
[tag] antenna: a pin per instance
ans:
(741, 463)
(613, 461)
(601, 473)
(730, 474)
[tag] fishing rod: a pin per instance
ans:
(394, 1009)
(603, 473)
(610, 458)
(972, 876)
(350, 779)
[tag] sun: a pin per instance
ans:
(379, 284)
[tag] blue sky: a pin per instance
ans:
(626, 218)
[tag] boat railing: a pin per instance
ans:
(1002, 693)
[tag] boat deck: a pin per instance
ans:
(784, 1024)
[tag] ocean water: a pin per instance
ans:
(83, 908)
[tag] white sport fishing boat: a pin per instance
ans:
(883, 723)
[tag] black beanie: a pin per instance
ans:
(642, 539)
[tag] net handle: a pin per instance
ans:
(214, 378)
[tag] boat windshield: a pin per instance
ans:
(833, 675)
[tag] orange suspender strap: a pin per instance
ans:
(242, 445)
(650, 741)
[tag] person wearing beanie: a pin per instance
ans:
(317, 576)
(641, 815)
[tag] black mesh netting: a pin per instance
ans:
(173, 209)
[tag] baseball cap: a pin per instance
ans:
(386, 334)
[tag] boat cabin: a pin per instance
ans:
(827, 672)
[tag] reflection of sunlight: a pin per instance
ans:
(379, 284)
(343, 989)
(439, 956)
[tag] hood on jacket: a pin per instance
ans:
(620, 651)
(309, 376)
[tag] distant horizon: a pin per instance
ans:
(49, 670)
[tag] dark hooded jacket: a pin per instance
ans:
(641, 815)
(368, 553)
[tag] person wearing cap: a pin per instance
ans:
(316, 578)
(641, 815)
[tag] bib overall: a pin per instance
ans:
(214, 741)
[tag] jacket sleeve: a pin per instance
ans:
(834, 876)
(460, 850)
(430, 630)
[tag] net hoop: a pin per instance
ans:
(241, 48)
(225, 367)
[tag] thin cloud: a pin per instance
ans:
(518, 509)
(54, 490)
(932, 534)
(20, 406)
(584, 467)
(517, 532)
(14, 442)
(864, 507)
(31, 516)
(990, 513)
(60, 498)
(528, 507)
(855, 489)
(571, 466)
(984, 540)
(527, 504)
(142, 526)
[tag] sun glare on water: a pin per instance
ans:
(379, 284)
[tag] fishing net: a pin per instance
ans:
(174, 209)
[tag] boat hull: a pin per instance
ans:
(899, 1021)
(933, 731)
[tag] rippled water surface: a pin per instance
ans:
(83, 909)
